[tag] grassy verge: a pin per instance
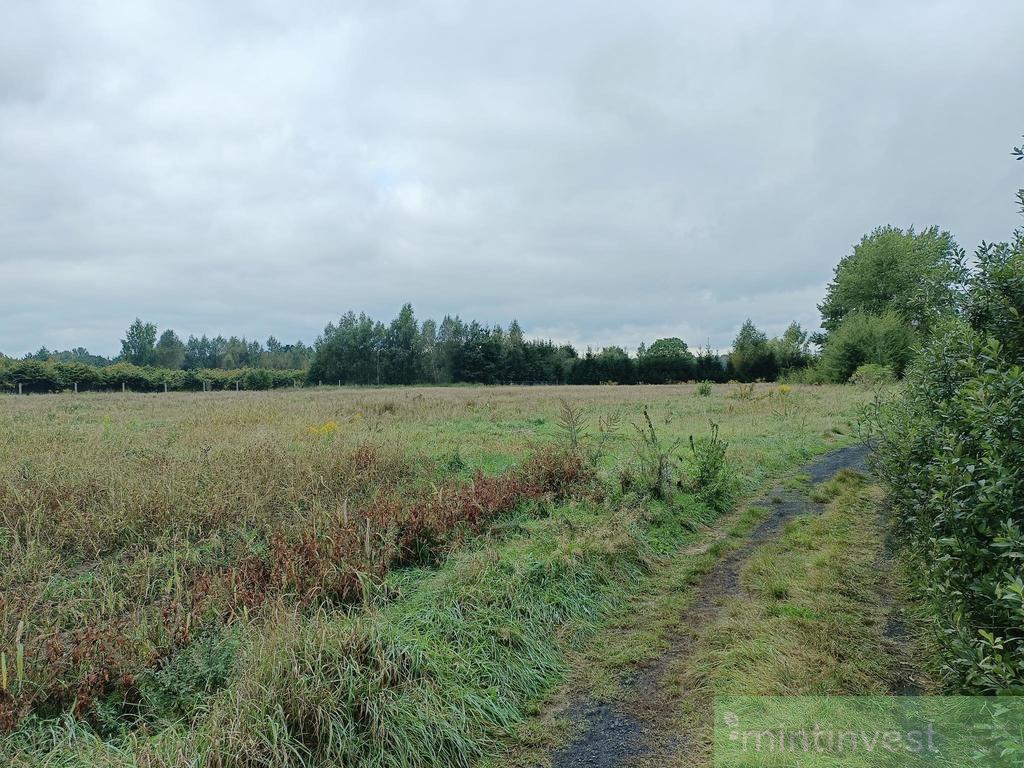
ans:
(819, 615)
(814, 617)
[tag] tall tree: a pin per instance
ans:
(917, 274)
(792, 349)
(515, 355)
(665, 360)
(401, 347)
(169, 351)
(429, 364)
(137, 347)
(751, 357)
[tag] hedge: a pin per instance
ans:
(41, 377)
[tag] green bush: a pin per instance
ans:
(711, 477)
(952, 454)
(885, 339)
(812, 374)
(38, 377)
(257, 378)
(873, 375)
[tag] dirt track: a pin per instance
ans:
(634, 726)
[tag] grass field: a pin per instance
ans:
(358, 577)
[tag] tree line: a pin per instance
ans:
(142, 347)
(885, 297)
(360, 350)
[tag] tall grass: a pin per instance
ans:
(215, 574)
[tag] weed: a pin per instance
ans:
(572, 424)
(654, 458)
(711, 477)
(743, 392)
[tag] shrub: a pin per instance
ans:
(812, 374)
(952, 454)
(257, 378)
(873, 375)
(885, 339)
(34, 376)
(37, 376)
(704, 389)
(711, 478)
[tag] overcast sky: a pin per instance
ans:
(604, 172)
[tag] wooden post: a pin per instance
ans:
(165, 387)
(319, 383)
(76, 387)
(124, 387)
(19, 387)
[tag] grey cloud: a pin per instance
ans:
(604, 174)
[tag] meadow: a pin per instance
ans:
(330, 575)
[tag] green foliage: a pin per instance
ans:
(995, 302)
(360, 350)
(885, 339)
(752, 357)
(872, 375)
(38, 377)
(76, 355)
(137, 347)
(792, 349)
(917, 275)
(952, 455)
(169, 351)
(577, 439)
(951, 451)
(704, 389)
(654, 459)
(813, 373)
(711, 478)
(708, 365)
(571, 425)
(666, 360)
(183, 685)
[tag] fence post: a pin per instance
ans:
(165, 387)
(124, 386)
(19, 387)
(76, 387)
